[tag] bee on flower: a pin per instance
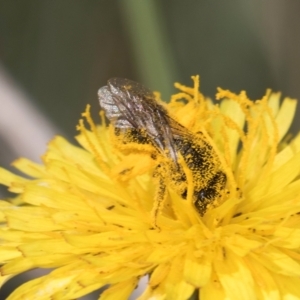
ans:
(139, 119)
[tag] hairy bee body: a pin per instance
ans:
(203, 164)
(138, 118)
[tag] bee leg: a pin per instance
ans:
(208, 194)
(160, 197)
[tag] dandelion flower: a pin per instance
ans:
(87, 212)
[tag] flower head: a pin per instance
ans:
(87, 212)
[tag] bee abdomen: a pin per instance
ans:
(211, 192)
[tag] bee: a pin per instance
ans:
(137, 117)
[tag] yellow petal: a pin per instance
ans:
(235, 277)
(120, 290)
(285, 116)
(176, 286)
(235, 122)
(27, 218)
(29, 167)
(41, 289)
(278, 262)
(277, 180)
(15, 182)
(274, 103)
(213, 290)
(196, 272)
(288, 286)
(266, 286)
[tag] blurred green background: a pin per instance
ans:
(61, 51)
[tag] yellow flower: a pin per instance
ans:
(87, 212)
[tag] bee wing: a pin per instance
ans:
(113, 110)
(128, 104)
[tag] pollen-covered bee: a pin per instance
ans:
(137, 117)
